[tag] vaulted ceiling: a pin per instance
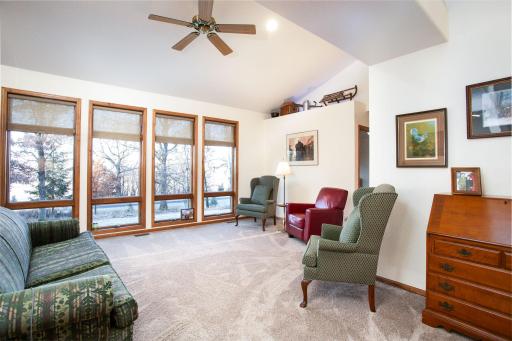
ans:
(113, 42)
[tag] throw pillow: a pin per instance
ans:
(352, 228)
(260, 194)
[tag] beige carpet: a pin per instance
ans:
(220, 282)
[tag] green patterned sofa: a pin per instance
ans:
(57, 284)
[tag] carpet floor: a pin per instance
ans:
(220, 282)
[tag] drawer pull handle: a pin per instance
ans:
(447, 267)
(446, 306)
(446, 286)
(464, 252)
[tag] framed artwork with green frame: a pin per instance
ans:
(421, 139)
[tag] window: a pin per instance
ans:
(174, 158)
(39, 139)
(116, 166)
(219, 167)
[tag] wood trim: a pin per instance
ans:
(126, 228)
(141, 199)
(218, 194)
(165, 228)
(39, 204)
(4, 154)
(360, 128)
(192, 196)
(402, 286)
(234, 192)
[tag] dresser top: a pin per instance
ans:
(481, 219)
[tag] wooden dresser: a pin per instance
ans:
(469, 256)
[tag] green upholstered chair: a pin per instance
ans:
(262, 203)
(350, 253)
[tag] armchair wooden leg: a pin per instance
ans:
(236, 220)
(255, 219)
(304, 284)
(371, 297)
(275, 221)
(263, 220)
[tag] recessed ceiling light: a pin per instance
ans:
(271, 25)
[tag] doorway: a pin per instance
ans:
(363, 156)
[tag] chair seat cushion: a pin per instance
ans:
(260, 194)
(60, 260)
(251, 207)
(297, 219)
(309, 258)
(125, 307)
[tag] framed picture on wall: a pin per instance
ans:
(466, 181)
(421, 139)
(489, 109)
(302, 148)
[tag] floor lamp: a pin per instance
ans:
(283, 169)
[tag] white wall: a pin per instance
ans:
(251, 123)
(354, 74)
(479, 49)
(336, 127)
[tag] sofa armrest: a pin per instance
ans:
(47, 232)
(335, 246)
(298, 207)
(331, 232)
(245, 200)
(55, 306)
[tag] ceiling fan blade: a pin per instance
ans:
(235, 28)
(169, 20)
(205, 9)
(185, 41)
(219, 44)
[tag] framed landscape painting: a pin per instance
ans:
(302, 148)
(489, 109)
(421, 139)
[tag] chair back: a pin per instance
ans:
(269, 181)
(330, 197)
(375, 206)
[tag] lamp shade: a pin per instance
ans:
(283, 168)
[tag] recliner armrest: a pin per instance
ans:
(33, 311)
(331, 232)
(298, 207)
(47, 232)
(245, 200)
(335, 246)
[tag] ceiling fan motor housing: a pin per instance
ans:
(203, 26)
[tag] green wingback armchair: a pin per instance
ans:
(350, 253)
(262, 203)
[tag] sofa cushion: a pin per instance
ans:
(352, 228)
(11, 273)
(125, 307)
(297, 219)
(251, 207)
(260, 194)
(15, 233)
(309, 258)
(59, 260)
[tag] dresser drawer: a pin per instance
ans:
(485, 297)
(496, 278)
(467, 252)
(486, 319)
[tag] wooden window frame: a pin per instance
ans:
(4, 154)
(141, 198)
(193, 195)
(234, 193)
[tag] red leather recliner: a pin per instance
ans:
(304, 220)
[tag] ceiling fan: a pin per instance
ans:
(205, 23)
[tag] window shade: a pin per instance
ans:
(29, 114)
(116, 124)
(172, 129)
(219, 134)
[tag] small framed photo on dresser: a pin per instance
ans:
(466, 180)
(489, 109)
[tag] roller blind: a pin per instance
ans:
(172, 129)
(31, 114)
(117, 124)
(219, 134)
